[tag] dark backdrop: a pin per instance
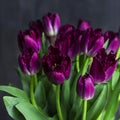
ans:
(15, 15)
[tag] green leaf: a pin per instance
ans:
(15, 92)
(53, 118)
(29, 112)
(76, 109)
(113, 102)
(112, 107)
(115, 78)
(73, 94)
(106, 44)
(40, 95)
(10, 103)
(51, 101)
(98, 89)
(98, 105)
(25, 80)
(65, 95)
(118, 53)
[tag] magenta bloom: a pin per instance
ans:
(84, 25)
(113, 43)
(92, 41)
(56, 67)
(31, 38)
(52, 24)
(68, 40)
(103, 66)
(85, 87)
(29, 62)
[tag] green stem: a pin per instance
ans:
(58, 103)
(35, 80)
(77, 63)
(32, 86)
(118, 53)
(85, 66)
(84, 110)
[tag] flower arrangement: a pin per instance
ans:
(67, 72)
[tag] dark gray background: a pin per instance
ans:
(15, 15)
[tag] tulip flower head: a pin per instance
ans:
(84, 25)
(51, 24)
(56, 67)
(29, 62)
(91, 42)
(113, 41)
(29, 39)
(103, 66)
(68, 40)
(85, 87)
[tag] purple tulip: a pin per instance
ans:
(65, 29)
(103, 66)
(84, 25)
(51, 24)
(29, 62)
(113, 43)
(56, 67)
(91, 42)
(31, 38)
(68, 40)
(85, 87)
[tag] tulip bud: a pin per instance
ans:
(85, 87)
(29, 62)
(51, 24)
(84, 25)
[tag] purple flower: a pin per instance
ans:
(31, 38)
(29, 62)
(84, 25)
(68, 40)
(91, 42)
(64, 30)
(103, 66)
(85, 87)
(113, 41)
(56, 67)
(51, 24)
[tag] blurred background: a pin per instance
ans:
(16, 14)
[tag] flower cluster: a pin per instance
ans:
(29, 42)
(66, 42)
(75, 60)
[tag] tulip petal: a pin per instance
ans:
(113, 46)
(57, 23)
(97, 46)
(30, 42)
(23, 65)
(97, 71)
(34, 63)
(85, 42)
(57, 77)
(85, 87)
(84, 25)
(67, 63)
(110, 71)
(89, 89)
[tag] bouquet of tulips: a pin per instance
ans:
(67, 72)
